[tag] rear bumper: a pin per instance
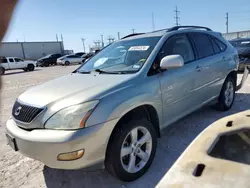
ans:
(45, 145)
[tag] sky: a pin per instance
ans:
(42, 20)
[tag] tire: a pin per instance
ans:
(117, 165)
(2, 71)
(227, 95)
(46, 63)
(67, 63)
(31, 67)
(25, 69)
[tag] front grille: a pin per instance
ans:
(24, 112)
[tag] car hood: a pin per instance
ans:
(243, 51)
(73, 89)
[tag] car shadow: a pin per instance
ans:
(172, 143)
(19, 72)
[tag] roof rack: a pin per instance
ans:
(188, 26)
(133, 34)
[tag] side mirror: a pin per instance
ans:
(172, 62)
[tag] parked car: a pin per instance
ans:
(243, 47)
(48, 60)
(80, 54)
(111, 110)
(11, 63)
(69, 59)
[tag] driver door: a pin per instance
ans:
(178, 85)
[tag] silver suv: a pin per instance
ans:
(110, 111)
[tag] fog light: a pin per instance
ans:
(70, 156)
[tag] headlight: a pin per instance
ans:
(73, 117)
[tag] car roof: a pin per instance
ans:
(240, 39)
(13, 57)
(161, 32)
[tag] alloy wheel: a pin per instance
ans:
(136, 149)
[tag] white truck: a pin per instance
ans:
(10, 63)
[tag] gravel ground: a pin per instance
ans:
(19, 171)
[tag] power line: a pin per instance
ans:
(227, 21)
(177, 17)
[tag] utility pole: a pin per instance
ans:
(118, 35)
(56, 38)
(153, 22)
(110, 39)
(102, 41)
(133, 31)
(61, 37)
(83, 44)
(177, 18)
(227, 21)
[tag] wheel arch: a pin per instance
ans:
(140, 111)
(233, 74)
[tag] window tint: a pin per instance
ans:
(72, 56)
(221, 45)
(215, 46)
(178, 44)
(203, 45)
(11, 60)
(18, 60)
(3, 60)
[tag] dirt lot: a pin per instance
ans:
(19, 171)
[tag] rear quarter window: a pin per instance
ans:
(218, 46)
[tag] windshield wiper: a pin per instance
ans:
(105, 72)
(83, 72)
(115, 72)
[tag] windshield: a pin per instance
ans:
(47, 56)
(122, 56)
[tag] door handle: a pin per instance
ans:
(198, 68)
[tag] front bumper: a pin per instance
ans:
(45, 145)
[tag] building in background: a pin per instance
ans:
(31, 50)
(238, 34)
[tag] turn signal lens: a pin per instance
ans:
(70, 156)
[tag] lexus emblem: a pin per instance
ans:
(18, 110)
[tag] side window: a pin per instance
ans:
(203, 45)
(178, 44)
(4, 60)
(215, 46)
(11, 60)
(221, 45)
(18, 60)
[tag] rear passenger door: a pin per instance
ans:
(210, 66)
